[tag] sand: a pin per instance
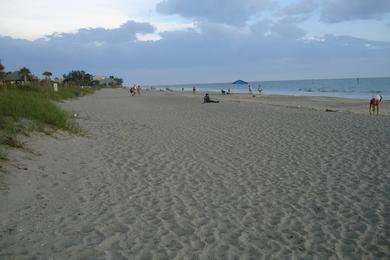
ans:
(163, 176)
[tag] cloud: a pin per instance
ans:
(287, 30)
(213, 52)
(334, 11)
(125, 33)
(302, 7)
(32, 19)
(235, 12)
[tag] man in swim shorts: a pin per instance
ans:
(374, 105)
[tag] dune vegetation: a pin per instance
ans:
(24, 109)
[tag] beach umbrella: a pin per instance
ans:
(240, 82)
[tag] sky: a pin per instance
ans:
(198, 41)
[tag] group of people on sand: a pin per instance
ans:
(135, 90)
(373, 104)
(259, 89)
(224, 92)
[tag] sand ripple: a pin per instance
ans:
(166, 177)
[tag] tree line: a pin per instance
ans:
(75, 77)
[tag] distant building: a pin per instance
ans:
(103, 81)
(108, 82)
(98, 78)
(14, 78)
(57, 80)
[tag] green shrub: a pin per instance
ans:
(8, 133)
(3, 153)
(27, 108)
(31, 105)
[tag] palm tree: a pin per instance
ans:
(24, 72)
(47, 75)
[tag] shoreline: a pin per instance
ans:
(163, 176)
(289, 94)
(350, 88)
(320, 103)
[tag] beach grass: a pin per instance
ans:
(32, 108)
(32, 105)
(3, 153)
(3, 158)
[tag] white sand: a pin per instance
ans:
(162, 176)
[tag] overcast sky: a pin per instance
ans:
(190, 41)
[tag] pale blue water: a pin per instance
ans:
(362, 88)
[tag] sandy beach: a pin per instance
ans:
(163, 176)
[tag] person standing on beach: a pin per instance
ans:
(374, 104)
(259, 89)
(193, 90)
(250, 90)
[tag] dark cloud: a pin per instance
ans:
(238, 12)
(228, 12)
(125, 33)
(335, 11)
(266, 50)
(88, 49)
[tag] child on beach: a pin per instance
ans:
(374, 104)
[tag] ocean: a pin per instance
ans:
(357, 88)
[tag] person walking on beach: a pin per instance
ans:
(374, 104)
(207, 99)
(193, 90)
(250, 89)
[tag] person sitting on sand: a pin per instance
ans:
(374, 104)
(207, 99)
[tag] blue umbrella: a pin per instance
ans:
(240, 82)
